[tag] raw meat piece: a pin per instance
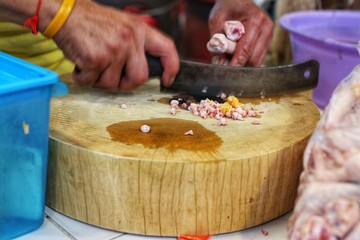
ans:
(220, 44)
(325, 210)
(328, 201)
(234, 30)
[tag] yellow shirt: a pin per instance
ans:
(20, 42)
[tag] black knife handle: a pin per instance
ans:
(155, 67)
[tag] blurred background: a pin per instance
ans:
(186, 22)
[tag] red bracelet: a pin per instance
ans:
(32, 22)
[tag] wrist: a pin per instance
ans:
(48, 11)
(59, 19)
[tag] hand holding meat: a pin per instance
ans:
(107, 46)
(252, 47)
(224, 44)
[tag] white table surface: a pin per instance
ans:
(56, 226)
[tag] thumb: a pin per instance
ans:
(216, 21)
(159, 45)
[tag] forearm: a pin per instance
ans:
(17, 11)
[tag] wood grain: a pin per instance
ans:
(132, 184)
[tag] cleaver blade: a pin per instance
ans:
(210, 80)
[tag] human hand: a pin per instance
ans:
(108, 47)
(252, 47)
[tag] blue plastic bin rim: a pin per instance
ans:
(286, 21)
(39, 76)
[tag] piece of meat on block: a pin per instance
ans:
(328, 201)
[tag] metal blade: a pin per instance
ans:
(209, 80)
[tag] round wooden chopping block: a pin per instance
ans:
(104, 171)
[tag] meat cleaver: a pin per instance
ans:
(209, 80)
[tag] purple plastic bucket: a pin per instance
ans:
(330, 37)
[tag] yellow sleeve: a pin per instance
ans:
(20, 42)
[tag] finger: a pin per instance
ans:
(111, 76)
(245, 47)
(86, 76)
(88, 67)
(261, 47)
(261, 59)
(216, 20)
(258, 57)
(136, 72)
(220, 59)
(161, 46)
(171, 68)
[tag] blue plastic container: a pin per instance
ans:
(330, 37)
(25, 92)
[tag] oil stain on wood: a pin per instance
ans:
(166, 133)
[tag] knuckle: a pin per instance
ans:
(256, 62)
(137, 76)
(246, 51)
(126, 32)
(168, 44)
(141, 77)
(91, 58)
